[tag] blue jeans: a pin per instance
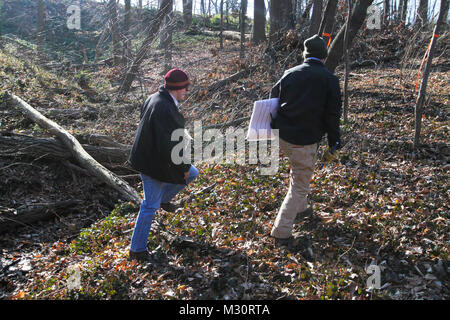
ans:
(155, 193)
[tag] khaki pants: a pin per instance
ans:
(302, 160)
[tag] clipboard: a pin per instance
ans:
(263, 112)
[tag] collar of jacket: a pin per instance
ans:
(165, 93)
(309, 60)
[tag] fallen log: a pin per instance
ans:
(77, 150)
(28, 214)
(234, 77)
(227, 34)
(13, 145)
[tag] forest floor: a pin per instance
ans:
(381, 203)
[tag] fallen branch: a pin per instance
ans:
(13, 145)
(232, 78)
(77, 150)
(28, 214)
(227, 124)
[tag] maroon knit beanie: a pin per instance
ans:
(176, 79)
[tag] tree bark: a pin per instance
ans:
(426, 72)
(113, 22)
(280, 19)
(337, 46)
(346, 52)
(108, 153)
(28, 214)
(145, 47)
(187, 13)
(327, 23)
(221, 24)
(403, 10)
(77, 151)
(422, 13)
(259, 22)
(315, 18)
(166, 37)
(243, 13)
(40, 29)
(126, 31)
(386, 12)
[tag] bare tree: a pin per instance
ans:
(166, 37)
(259, 22)
(346, 53)
(327, 23)
(114, 24)
(221, 24)
(187, 13)
(243, 13)
(145, 47)
(403, 7)
(356, 21)
(126, 31)
(422, 13)
(426, 72)
(315, 18)
(40, 29)
(280, 18)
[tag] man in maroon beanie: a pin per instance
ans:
(161, 178)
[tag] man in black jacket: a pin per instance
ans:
(151, 154)
(309, 106)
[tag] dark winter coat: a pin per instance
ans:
(309, 106)
(152, 147)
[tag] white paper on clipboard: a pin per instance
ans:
(259, 127)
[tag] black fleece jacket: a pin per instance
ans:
(152, 147)
(309, 106)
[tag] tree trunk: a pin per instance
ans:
(28, 214)
(242, 26)
(145, 47)
(187, 13)
(107, 153)
(403, 10)
(386, 12)
(103, 37)
(113, 22)
(259, 22)
(166, 37)
(426, 72)
(77, 151)
(327, 23)
(337, 46)
(315, 18)
(422, 13)
(221, 24)
(126, 32)
(280, 19)
(40, 29)
(347, 67)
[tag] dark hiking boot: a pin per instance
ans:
(283, 242)
(303, 215)
(143, 256)
(170, 206)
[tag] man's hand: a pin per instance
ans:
(186, 175)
